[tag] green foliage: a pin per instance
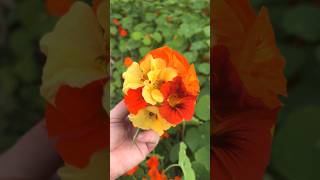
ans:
(21, 105)
(185, 163)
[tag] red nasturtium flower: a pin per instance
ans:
(58, 8)
(155, 174)
(122, 32)
(153, 162)
(132, 171)
(247, 64)
(116, 21)
(165, 135)
(178, 104)
(128, 61)
(134, 100)
(78, 118)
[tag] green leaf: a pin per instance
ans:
(203, 107)
(136, 35)
(146, 40)
(203, 156)
(204, 68)
(174, 153)
(157, 37)
(198, 137)
(207, 31)
(143, 51)
(200, 170)
(298, 140)
(198, 45)
(185, 164)
(303, 21)
(191, 56)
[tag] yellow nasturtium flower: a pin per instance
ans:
(157, 75)
(75, 50)
(150, 73)
(97, 169)
(150, 118)
(133, 77)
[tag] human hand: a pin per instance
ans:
(124, 154)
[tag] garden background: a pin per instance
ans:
(296, 149)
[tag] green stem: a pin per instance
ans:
(135, 136)
(171, 166)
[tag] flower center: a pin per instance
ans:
(174, 100)
(152, 115)
(157, 84)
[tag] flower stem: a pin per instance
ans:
(171, 166)
(135, 136)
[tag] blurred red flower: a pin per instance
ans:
(78, 118)
(153, 162)
(132, 171)
(116, 21)
(122, 32)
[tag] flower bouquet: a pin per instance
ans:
(160, 90)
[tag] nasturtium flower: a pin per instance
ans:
(81, 64)
(153, 162)
(73, 83)
(252, 47)
(150, 118)
(96, 169)
(134, 100)
(178, 104)
(248, 77)
(132, 171)
(157, 75)
(151, 74)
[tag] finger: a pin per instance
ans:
(119, 112)
(150, 137)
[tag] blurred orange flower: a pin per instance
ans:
(247, 79)
(116, 21)
(128, 61)
(132, 171)
(250, 42)
(153, 162)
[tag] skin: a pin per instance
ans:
(124, 154)
(32, 157)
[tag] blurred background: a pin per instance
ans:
(296, 149)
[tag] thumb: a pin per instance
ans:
(119, 112)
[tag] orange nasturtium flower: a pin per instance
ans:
(153, 162)
(73, 84)
(132, 171)
(248, 77)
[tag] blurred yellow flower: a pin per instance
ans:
(75, 50)
(149, 118)
(97, 169)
